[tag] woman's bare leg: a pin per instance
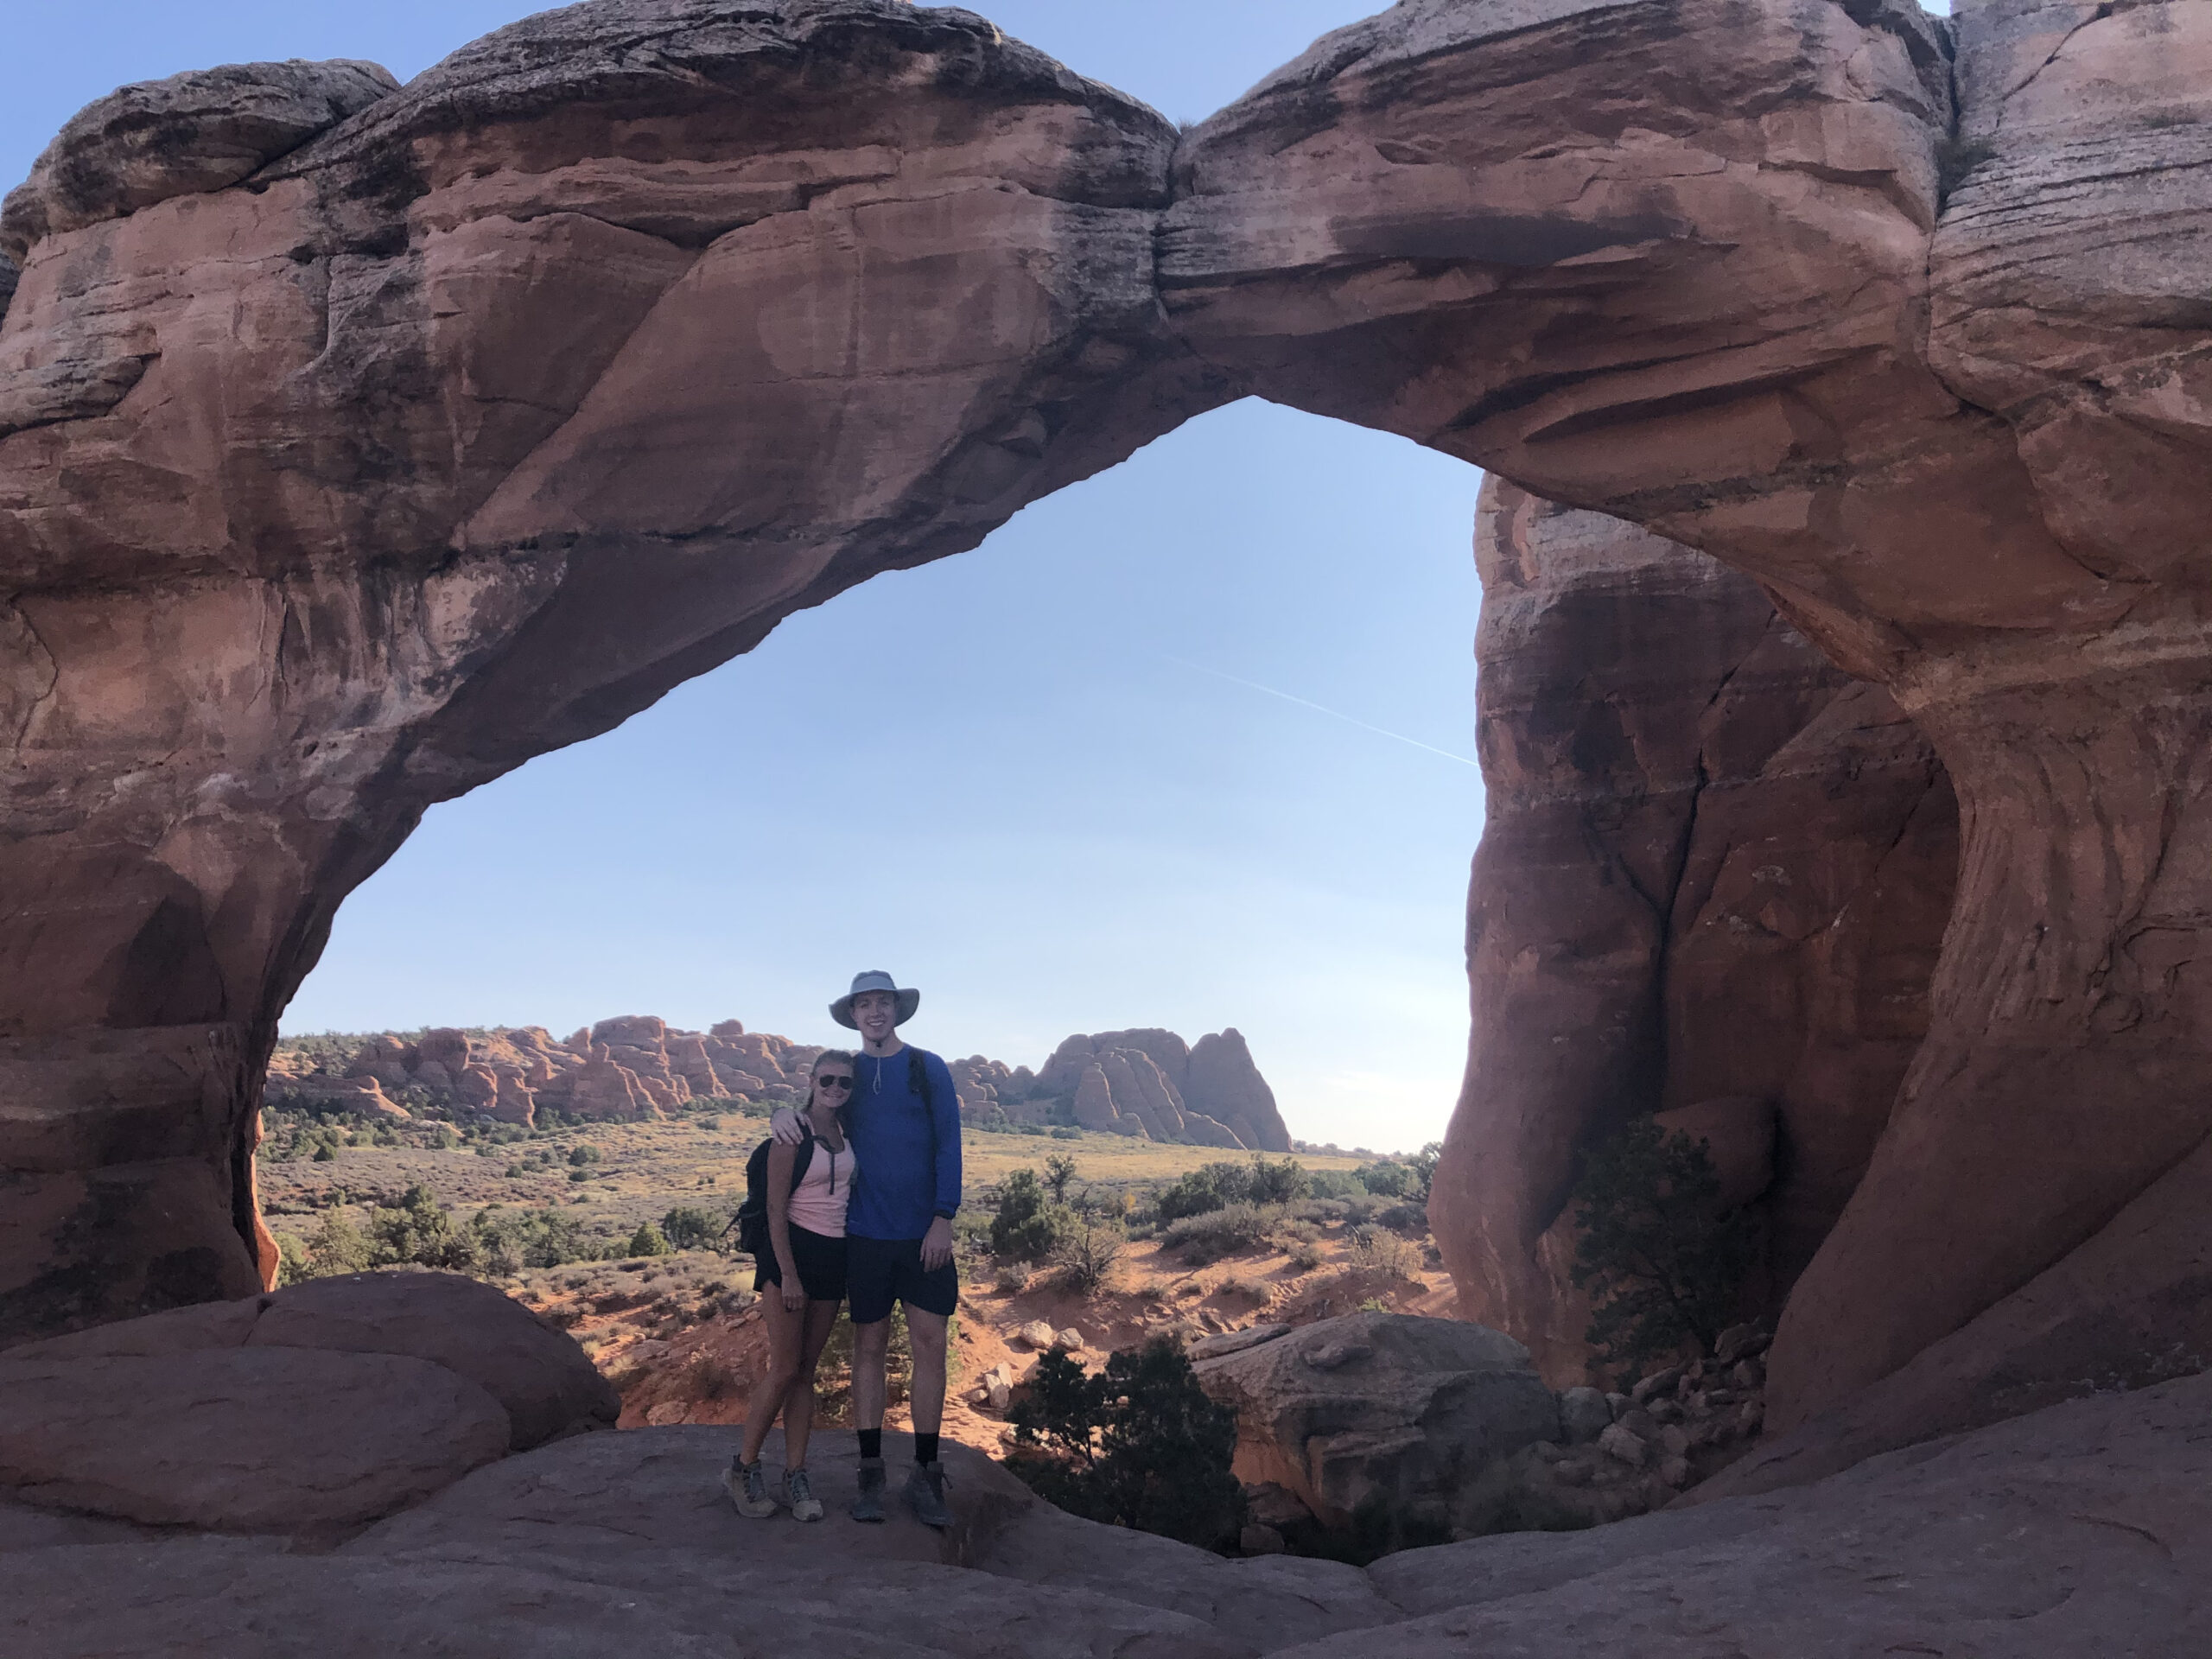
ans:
(798, 1410)
(786, 1332)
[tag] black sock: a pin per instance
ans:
(871, 1442)
(925, 1448)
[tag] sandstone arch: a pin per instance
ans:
(475, 423)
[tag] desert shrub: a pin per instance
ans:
(1385, 1180)
(1208, 1237)
(325, 1152)
(648, 1240)
(1282, 1183)
(1664, 1267)
(511, 1241)
(690, 1228)
(1423, 1165)
(1410, 1219)
(1059, 1170)
(584, 1154)
(1383, 1250)
(337, 1247)
(1028, 1226)
(1087, 1252)
(1306, 1257)
(417, 1232)
(1138, 1445)
(292, 1262)
(1208, 1187)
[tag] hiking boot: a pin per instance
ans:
(925, 1496)
(798, 1492)
(748, 1489)
(868, 1506)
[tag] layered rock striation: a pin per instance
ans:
(1712, 886)
(465, 426)
(1152, 1084)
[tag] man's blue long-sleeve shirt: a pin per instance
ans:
(908, 1148)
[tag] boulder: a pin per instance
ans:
(241, 1440)
(540, 1378)
(1583, 1416)
(1381, 1412)
(535, 1371)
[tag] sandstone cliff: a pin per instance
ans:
(1714, 879)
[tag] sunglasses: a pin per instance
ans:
(834, 1083)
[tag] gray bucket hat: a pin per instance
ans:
(875, 980)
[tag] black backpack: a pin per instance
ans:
(751, 1220)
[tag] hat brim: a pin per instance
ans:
(842, 1009)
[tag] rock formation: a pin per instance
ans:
(469, 425)
(639, 1066)
(431, 447)
(1383, 1415)
(1711, 885)
(1152, 1084)
(1911, 350)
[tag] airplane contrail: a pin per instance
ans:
(1334, 714)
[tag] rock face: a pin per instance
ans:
(1922, 368)
(431, 445)
(1384, 1415)
(332, 496)
(1711, 886)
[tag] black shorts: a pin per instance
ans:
(881, 1271)
(821, 1263)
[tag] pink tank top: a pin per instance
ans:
(819, 1201)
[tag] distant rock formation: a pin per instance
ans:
(1147, 1084)
(1153, 1084)
(624, 1069)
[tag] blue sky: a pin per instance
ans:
(1091, 816)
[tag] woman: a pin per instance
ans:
(801, 1281)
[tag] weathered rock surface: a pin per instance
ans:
(1384, 1414)
(241, 1440)
(334, 497)
(430, 447)
(2080, 1530)
(537, 1373)
(193, 132)
(1712, 886)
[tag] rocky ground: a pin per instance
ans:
(237, 1479)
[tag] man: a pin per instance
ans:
(904, 1126)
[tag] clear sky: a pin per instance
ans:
(1108, 798)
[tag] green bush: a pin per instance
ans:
(1208, 1237)
(417, 1232)
(1283, 1183)
(1087, 1252)
(1208, 1187)
(688, 1228)
(337, 1247)
(1028, 1226)
(1059, 1170)
(1138, 1445)
(648, 1241)
(1664, 1267)
(1385, 1180)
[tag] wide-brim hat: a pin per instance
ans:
(875, 980)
